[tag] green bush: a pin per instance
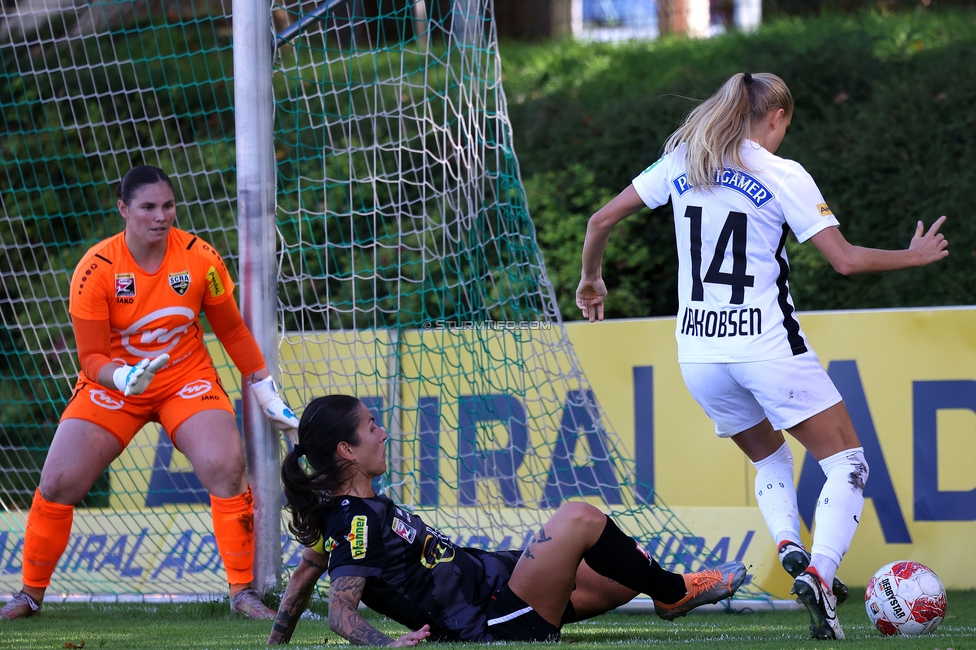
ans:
(885, 121)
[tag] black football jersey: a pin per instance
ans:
(414, 573)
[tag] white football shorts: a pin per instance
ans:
(738, 396)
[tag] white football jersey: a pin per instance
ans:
(734, 300)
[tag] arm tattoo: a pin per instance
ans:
(314, 564)
(542, 536)
(294, 602)
(344, 617)
(290, 610)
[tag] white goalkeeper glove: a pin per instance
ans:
(133, 380)
(282, 418)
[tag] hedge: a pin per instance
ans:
(885, 121)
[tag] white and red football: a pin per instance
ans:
(905, 598)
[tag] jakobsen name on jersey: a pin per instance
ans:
(709, 323)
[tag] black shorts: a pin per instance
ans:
(510, 619)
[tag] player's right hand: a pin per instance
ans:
(590, 295)
(133, 380)
(280, 414)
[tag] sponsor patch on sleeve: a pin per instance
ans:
(824, 210)
(400, 527)
(357, 537)
(214, 283)
(652, 166)
(323, 546)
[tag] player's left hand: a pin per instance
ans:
(931, 246)
(412, 638)
(282, 417)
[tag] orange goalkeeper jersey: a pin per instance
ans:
(151, 313)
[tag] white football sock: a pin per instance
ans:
(776, 495)
(838, 510)
(826, 567)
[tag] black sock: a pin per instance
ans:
(618, 557)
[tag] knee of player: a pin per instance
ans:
(580, 516)
(59, 489)
(224, 476)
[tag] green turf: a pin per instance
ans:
(212, 626)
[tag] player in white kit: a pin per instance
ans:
(742, 353)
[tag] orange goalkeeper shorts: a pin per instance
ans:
(169, 402)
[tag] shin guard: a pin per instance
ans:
(233, 525)
(46, 537)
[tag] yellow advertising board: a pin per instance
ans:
(479, 420)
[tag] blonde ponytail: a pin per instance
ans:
(713, 132)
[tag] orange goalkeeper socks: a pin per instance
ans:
(233, 525)
(46, 537)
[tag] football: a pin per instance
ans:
(905, 598)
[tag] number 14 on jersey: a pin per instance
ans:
(734, 231)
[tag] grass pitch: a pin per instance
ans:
(213, 627)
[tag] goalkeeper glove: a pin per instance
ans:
(133, 380)
(282, 418)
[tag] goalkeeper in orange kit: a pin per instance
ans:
(135, 302)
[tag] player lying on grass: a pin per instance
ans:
(578, 565)
(135, 304)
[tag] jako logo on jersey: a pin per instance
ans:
(824, 210)
(106, 401)
(125, 285)
(180, 282)
(195, 389)
(141, 333)
(213, 281)
(408, 533)
(357, 537)
(733, 179)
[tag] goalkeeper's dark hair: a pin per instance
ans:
(138, 177)
(310, 486)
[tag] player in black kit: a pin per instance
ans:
(391, 560)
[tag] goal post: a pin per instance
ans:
(253, 103)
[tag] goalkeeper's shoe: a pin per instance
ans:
(812, 592)
(248, 603)
(705, 587)
(20, 606)
(795, 559)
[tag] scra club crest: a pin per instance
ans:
(180, 282)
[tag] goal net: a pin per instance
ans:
(409, 272)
